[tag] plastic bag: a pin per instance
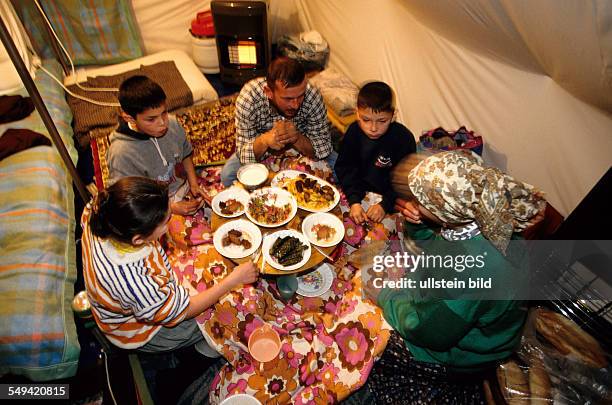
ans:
(309, 48)
(543, 374)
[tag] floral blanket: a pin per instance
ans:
(329, 343)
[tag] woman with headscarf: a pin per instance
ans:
(442, 346)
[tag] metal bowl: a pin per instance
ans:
(252, 176)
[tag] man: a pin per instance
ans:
(276, 113)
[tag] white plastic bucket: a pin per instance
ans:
(204, 53)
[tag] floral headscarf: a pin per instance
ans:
(458, 189)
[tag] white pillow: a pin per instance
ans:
(11, 82)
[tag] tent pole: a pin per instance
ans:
(42, 109)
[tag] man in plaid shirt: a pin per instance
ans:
(279, 112)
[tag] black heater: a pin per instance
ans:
(243, 46)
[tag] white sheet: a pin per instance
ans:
(201, 88)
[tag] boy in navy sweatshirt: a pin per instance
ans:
(371, 147)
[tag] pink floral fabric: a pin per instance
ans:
(328, 343)
(193, 230)
(356, 234)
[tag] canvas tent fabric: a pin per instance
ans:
(534, 78)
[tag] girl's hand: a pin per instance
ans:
(376, 213)
(245, 273)
(357, 214)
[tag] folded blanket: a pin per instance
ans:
(91, 119)
(338, 91)
(16, 140)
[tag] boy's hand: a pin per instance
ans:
(198, 193)
(357, 214)
(376, 213)
(186, 207)
(245, 273)
(409, 210)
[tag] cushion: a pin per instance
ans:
(104, 32)
(201, 89)
(338, 91)
(89, 116)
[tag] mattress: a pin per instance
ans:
(38, 337)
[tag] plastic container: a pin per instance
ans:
(204, 54)
(203, 25)
(203, 44)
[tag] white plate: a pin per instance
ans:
(323, 218)
(279, 179)
(235, 193)
(269, 241)
(316, 282)
(273, 196)
(249, 231)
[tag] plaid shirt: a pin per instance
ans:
(255, 115)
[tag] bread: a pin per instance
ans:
(539, 383)
(513, 383)
(569, 339)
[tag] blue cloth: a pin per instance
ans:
(229, 173)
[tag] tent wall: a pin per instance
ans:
(516, 72)
(533, 77)
(165, 24)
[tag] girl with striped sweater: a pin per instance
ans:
(134, 296)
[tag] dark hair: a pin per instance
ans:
(285, 70)
(131, 206)
(376, 95)
(139, 93)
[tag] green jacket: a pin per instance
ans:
(464, 335)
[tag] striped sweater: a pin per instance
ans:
(131, 290)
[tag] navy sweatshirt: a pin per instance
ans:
(365, 164)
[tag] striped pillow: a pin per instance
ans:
(92, 31)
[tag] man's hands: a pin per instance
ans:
(375, 213)
(409, 210)
(282, 134)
